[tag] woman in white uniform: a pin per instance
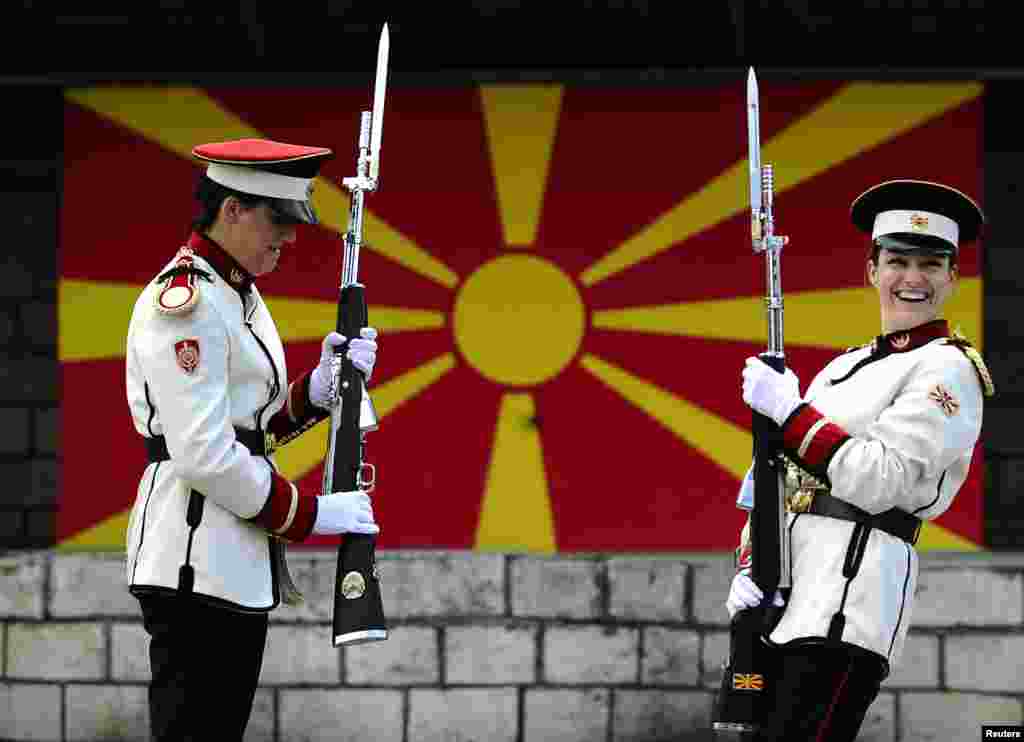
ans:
(209, 393)
(881, 440)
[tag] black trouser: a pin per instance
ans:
(205, 663)
(821, 694)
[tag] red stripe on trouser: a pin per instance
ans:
(835, 699)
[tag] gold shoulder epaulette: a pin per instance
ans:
(180, 290)
(959, 340)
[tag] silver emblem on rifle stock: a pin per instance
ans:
(353, 586)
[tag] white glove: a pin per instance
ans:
(745, 593)
(344, 512)
(769, 392)
(362, 351)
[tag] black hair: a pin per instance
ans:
(913, 242)
(210, 196)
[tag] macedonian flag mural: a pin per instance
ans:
(562, 280)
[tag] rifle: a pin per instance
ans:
(358, 611)
(738, 706)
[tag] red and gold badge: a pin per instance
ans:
(187, 354)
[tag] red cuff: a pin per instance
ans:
(286, 513)
(298, 414)
(812, 439)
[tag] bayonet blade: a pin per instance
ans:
(379, 92)
(754, 153)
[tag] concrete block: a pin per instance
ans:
(918, 667)
(90, 585)
(491, 655)
(14, 431)
(261, 721)
(30, 712)
(968, 597)
(56, 651)
(300, 654)
(408, 657)
(29, 378)
(466, 715)
(314, 575)
(711, 580)
(660, 715)
(47, 436)
(714, 655)
(129, 653)
(647, 589)
(39, 322)
(555, 715)
(591, 654)
(22, 593)
(447, 584)
(940, 717)
(880, 721)
(343, 715)
(556, 587)
(670, 656)
(106, 712)
(985, 662)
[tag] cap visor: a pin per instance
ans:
(300, 212)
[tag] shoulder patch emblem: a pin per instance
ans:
(180, 290)
(944, 399)
(187, 354)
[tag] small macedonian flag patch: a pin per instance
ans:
(747, 681)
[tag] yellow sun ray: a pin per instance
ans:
(306, 452)
(852, 316)
(295, 460)
(521, 122)
(178, 118)
(81, 338)
(310, 319)
(516, 511)
(858, 117)
(726, 444)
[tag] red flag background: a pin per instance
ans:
(562, 280)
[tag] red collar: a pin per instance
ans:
(226, 266)
(904, 340)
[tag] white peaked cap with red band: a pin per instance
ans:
(283, 173)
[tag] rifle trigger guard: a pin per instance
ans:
(364, 484)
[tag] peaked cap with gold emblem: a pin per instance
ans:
(917, 216)
(283, 173)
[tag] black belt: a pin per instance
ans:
(896, 522)
(259, 443)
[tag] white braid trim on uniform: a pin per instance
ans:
(259, 182)
(809, 438)
(292, 510)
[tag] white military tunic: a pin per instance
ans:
(891, 425)
(194, 376)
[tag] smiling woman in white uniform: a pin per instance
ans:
(881, 440)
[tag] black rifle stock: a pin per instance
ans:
(358, 609)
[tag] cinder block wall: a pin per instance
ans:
(494, 647)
